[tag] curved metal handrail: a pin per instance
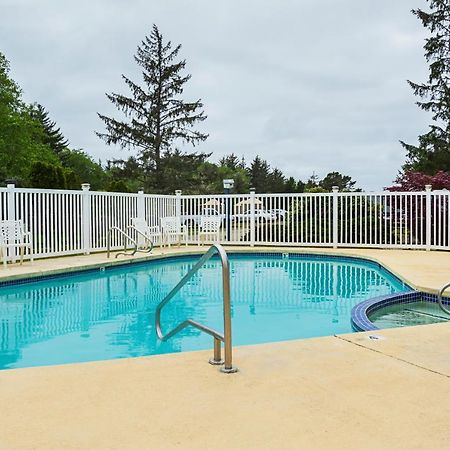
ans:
(108, 248)
(134, 242)
(132, 227)
(218, 337)
(440, 301)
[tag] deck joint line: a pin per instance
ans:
(392, 356)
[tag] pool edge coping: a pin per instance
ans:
(85, 266)
(68, 270)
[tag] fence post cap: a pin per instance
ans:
(252, 191)
(428, 187)
(178, 192)
(10, 185)
(85, 186)
(335, 188)
(141, 191)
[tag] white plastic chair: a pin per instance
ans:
(171, 228)
(152, 233)
(209, 226)
(13, 235)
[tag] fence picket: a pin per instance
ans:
(65, 222)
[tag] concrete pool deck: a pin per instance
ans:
(347, 391)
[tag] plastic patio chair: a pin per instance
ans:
(12, 236)
(172, 228)
(209, 226)
(152, 233)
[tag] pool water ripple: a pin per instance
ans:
(110, 314)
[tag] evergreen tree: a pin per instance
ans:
(156, 116)
(259, 171)
(127, 173)
(290, 186)
(343, 182)
(181, 171)
(312, 183)
(433, 152)
(53, 136)
(232, 162)
(21, 136)
(300, 187)
(276, 181)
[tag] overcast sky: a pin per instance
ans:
(310, 85)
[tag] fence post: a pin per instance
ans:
(140, 213)
(86, 218)
(11, 214)
(11, 201)
(335, 190)
(178, 203)
(252, 217)
(428, 216)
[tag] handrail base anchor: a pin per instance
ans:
(216, 362)
(229, 369)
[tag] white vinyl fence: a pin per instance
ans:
(66, 222)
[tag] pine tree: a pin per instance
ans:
(313, 181)
(433, 151)
(343, 182)
(53, 136)
(156, 116)
(293, 186)
(276, 181)
(232, 161)
(259, 171)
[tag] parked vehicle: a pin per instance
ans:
(194, 219)
(279, 213)
(261, 215)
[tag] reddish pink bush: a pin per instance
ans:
(416, 181)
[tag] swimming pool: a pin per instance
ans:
(108, 314)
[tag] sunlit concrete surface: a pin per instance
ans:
(338, 392)
(328, 393)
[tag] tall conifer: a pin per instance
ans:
(53, 136)
(433, 151)
(155, 114)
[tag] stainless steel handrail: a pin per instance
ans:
(148, 250)
(108, 248)
(218, 337)
(127, 236)
(440, 301)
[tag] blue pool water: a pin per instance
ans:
(110, 314)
